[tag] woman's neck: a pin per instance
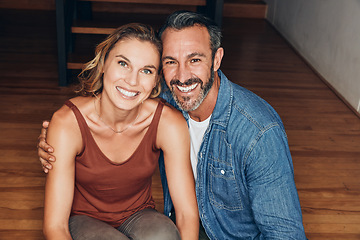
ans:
(116, 119)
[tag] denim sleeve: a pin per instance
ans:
(273, 195)
(168, 205)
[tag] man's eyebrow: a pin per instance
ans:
(196, 54)
(167, 58)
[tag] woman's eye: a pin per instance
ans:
(122, 63)
(147, 71)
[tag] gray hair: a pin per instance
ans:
(184, 19)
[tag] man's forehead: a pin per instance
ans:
(193, 31)
(191, 39)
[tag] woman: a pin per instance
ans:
(107, 143)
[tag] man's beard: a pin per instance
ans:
(186, 103)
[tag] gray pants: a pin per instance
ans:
(147, 224)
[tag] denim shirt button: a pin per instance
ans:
(222, 171)
(169, 214)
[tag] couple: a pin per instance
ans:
(238, 147)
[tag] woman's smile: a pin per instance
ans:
(128, 93)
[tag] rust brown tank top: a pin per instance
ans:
(108, 191)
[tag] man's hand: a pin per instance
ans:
(44, 149)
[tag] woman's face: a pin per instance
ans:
(130, 72)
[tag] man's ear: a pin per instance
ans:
(218, 58)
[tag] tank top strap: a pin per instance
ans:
(84, 129)
(158, 112)
(151, 134)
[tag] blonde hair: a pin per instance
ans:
(91, 77)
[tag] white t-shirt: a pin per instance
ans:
(196, 130)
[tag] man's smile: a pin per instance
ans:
(186, 89)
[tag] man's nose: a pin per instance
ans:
(183, 73)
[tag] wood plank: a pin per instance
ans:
(245, 9)
(92, 30)
(23, 234)
(171, 2)
(350, 228)
(124, 8)
(332, 236)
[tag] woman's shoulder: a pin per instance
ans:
(64, 130)
(64, 117)
(169, 113)
(172, 127)
(82, 102)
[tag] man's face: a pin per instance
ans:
(188, 65)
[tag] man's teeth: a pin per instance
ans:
(187, 88)
(127, 93)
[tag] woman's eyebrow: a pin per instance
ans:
(122, 56)
(149, 66)
(125, 58)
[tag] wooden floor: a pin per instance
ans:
(324, 135)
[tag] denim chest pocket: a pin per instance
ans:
(224, 192)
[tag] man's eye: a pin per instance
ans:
(195, 60)
(122, 63)
(147, 71)
(169, 62)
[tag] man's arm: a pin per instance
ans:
(272, 190)
(44, 149)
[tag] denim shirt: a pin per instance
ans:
(245, 180)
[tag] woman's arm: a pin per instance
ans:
(174, 140)
(65, 136)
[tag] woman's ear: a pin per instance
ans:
(157, 87)
(218, 58)
(158, 78)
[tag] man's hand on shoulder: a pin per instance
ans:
(44, 149)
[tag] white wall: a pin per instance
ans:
(327, 34)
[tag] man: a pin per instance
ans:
(240, 156)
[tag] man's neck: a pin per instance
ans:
(206, 108)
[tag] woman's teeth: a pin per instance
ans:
(127, 93)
